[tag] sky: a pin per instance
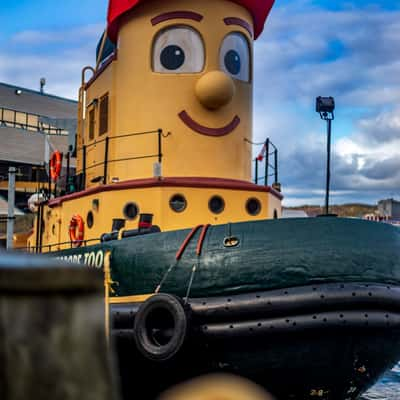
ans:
(348, 49)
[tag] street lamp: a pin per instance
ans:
(325, 106)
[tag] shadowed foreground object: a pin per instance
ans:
(217, 387)
(52, 338)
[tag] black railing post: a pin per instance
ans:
(49, 182)
(276, 166)
(266, 162)
(83, 167)
(256, 171)
(106, 160)
(160, 146)
(68, 166)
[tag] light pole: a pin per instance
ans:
(325, 106)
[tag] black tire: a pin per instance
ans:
(160, 327)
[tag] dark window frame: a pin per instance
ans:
(104, 111)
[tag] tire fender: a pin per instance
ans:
(160, 327)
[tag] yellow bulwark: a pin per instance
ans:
(165, 126)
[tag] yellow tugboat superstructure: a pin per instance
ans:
(201, 273)
(165, 127)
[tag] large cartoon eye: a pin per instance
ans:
(178, 50)
(235, 56)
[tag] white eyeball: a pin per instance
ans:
(235, 56)
(178, 50)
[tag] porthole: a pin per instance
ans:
(216, 204)
(90, 220)
(131, 211)
(253, 207)
(178, 203)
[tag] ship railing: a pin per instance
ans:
(28, 121)
(266, 160)
(104, 164)
(48, 248)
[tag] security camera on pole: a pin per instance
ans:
(325, 106)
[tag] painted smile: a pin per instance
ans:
(204, 130)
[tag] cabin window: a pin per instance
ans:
(178, 203)
(92, 120)
(216, 204)
(103, 120)
(275, 214)
(131, 211)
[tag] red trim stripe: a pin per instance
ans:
(192, 182)
(176, 15)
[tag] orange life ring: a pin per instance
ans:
(55, 165)
(77, 230)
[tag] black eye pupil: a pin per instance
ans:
(232, 62)
(172, 57)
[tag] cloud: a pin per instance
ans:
(59, 56)
(40, 38)
(353, 55)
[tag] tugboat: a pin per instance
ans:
(202, 274)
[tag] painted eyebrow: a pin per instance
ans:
(176, 15)
(240, 22)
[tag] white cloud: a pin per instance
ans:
(353, 55)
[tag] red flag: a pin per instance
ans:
(259, 9)
(260, 157)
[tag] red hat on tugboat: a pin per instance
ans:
(259, 9)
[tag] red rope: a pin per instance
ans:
(201, 239)
(186, 242)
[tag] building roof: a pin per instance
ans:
(19, 145)
(31, 101)
(286, 213)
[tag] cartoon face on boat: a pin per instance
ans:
(192, 59)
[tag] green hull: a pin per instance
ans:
(282, 304)
(270, 255)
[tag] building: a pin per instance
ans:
(32, 125)
(389, 208)
(290, 213)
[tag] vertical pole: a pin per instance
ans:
(160, 146)
(68, 166)
(256, 171)
(328, 167)
(106, 161)
(49, 182)
(83, 168)
(11, 205)
(266, 162)
(276, 166)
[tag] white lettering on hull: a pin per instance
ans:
(91, 259)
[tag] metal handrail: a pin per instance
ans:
(267, 154)
(39, 249)
(39, 127)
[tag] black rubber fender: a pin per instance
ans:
(161, 326)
